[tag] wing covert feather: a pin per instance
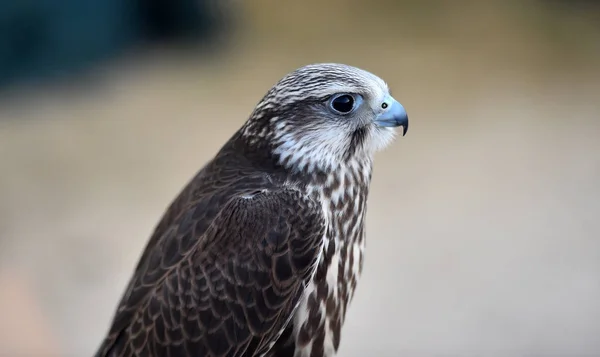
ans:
(232, 291)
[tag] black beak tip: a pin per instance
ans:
(404, 125)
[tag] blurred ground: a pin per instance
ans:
(483, 220)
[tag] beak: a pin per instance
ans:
(393, 116)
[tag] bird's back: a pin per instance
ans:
(229, 175)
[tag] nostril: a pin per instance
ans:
(384, 105)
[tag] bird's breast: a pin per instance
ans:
(320, 315)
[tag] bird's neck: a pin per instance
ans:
(328, 175)
(343, 194)
(353, 173)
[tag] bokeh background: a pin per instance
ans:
(484, 236)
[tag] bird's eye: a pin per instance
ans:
(343, 103)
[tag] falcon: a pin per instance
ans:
(260, 254)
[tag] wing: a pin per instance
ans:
(230, 292)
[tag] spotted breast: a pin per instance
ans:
(316, 327)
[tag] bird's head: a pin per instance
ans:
(324, 115)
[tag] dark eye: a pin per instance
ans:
(343, 103)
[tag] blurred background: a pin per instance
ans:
(484, 233)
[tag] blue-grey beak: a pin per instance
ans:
(394, 115)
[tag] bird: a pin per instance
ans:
(261, 252)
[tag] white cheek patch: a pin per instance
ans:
(381, 138)
(323, 148)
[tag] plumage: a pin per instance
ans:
(260, 253)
